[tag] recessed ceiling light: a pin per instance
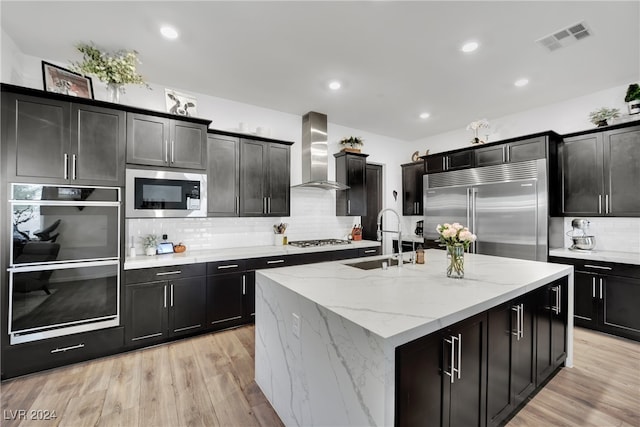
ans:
(521, 82)
(424, 115)
(335, 85)
(469, 47)
(169, 32)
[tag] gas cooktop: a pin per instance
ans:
(318, 242)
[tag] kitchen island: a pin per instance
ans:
(327, 333)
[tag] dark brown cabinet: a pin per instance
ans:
(551, 328)
(516, 151)
(412, 174)
(449, 161)
(223, 175)
(264, 178)
(226, 293)
(63, 142)
(159, 141)
(441, 377)
(599, 172)
(351, 171)
(510, 359)
(164, 302)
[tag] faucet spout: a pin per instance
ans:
(381, 230)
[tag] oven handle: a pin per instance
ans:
(60, 266)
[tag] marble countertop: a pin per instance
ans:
(597, 255)
(401, 304)
(194, 257)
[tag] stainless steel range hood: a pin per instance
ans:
(315, 153)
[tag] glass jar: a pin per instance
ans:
(455, 261)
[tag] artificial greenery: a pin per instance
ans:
(352, 141)
(603, 114)
(150, 241)
(633, 93)
(112, 68)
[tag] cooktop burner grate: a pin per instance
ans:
(318, 242)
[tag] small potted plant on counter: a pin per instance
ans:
(633, 98)
(352, 144)
(601, 116)
(150, 243)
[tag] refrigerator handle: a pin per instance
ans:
(472, 224)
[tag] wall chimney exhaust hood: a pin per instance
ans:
(315, 153)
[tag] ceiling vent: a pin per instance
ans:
(565, 36)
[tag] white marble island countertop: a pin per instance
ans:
(409, 302)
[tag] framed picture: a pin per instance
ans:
(60, 80)
(180, 103)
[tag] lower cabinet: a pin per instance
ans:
(159, 309)
(481, 370)
(226, 294)
(440, 377)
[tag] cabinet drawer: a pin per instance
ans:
(164, 273)
(222, 267)
(36, 356)
(369, 251)
(600, 267)
(270, 262)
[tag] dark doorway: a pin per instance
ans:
(374, 201)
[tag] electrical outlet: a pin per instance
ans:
(295, 325)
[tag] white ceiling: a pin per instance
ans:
(395, 59)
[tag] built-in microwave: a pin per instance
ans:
(165, 194)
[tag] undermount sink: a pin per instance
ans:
(375, 263)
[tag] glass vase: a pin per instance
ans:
(455, 261)
(113, 92)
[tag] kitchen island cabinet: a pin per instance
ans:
(329, 335)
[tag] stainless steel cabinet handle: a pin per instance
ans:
(165, 296)
(556, 308)
(522, 320)
(599, 203)
(277, 261)
(166, 152)
(593, 287)
(171, 295)
(244, 285)
(370, 251)
(264, 205)
(600, 288)
(172, 151)
(606, 203)
(459, 355)
(237, 206)
(66, 166)
(516, 308)
(444, 163)
(508, 150)
(166, 273)
(74, 165)
(269, 204)
(452, 342)
(73, 347)
(222, 267)
(600, 267)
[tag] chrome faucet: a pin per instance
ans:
(380, 231)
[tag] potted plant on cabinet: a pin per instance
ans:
(150, 243)
(633, 98)
(601, 116)
(352, 144)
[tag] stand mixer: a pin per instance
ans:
(582, 241)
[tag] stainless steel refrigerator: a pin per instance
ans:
(505, 205)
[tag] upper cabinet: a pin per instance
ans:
(62, 142)
(449, 161)
(599, 173)
(412, 174)
(223, 175)
(159, 141)
(351, 170)
(517, 151)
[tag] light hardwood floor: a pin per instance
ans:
(208, 381)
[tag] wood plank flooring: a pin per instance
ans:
(208, 381)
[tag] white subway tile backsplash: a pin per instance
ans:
(612, 234)
(313, 216)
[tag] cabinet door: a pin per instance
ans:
(435, 163)
(356, 180)
(188, 305)
(619, 315)
(499, 333)
(38, 134)
(188, 145)
(493, 155)
(419, 379)
(279, 180)
(460, 160)
(464, 397)
(412, 189)
(253, 170)
(225, 299)
(250, 296)
(98, 145)
(582, 181)
(622, 171)
(528, 149)
(523, 377)
(223, 176)
(146, 312)
(147, 140)
(585, 289)
(551, 329)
